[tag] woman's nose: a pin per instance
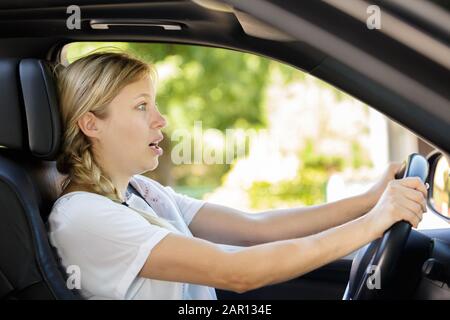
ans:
(159, 120)
(163, 121)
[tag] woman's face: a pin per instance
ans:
(133, 123)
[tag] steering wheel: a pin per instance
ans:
(375, 264)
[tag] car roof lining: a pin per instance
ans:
(201, 26)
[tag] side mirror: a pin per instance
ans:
(439, 181)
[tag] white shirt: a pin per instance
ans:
(110, 242)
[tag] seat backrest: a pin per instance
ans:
(29, 182)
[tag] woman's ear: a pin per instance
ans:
(89, 124)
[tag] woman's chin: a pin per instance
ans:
(153, 165)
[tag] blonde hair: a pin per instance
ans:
(89, 84)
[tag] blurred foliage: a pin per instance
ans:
(360, 158)
(228, 86)
(307, 188)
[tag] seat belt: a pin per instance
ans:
(133, 190)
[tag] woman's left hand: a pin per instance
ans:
(375, 192)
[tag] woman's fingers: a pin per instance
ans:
(414, 183)
(396, 169)
(416, 196)
(412, 207)
(412, 217)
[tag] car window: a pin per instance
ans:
(253, 133)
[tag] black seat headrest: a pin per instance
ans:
(12, 119)
(30, 126)
(40, 101)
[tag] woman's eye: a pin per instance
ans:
(142, 106)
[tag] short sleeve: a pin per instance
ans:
(110, 246)
(188, 206)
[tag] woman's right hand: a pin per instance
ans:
(403, 199)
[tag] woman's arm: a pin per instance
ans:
(193, 260)
(226, 225)
(281, 224)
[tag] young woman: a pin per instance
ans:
(169, 246)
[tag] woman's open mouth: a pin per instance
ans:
(156, 148)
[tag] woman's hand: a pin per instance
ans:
(403, 199)
(375, 192)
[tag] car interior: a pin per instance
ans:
(33, 34)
